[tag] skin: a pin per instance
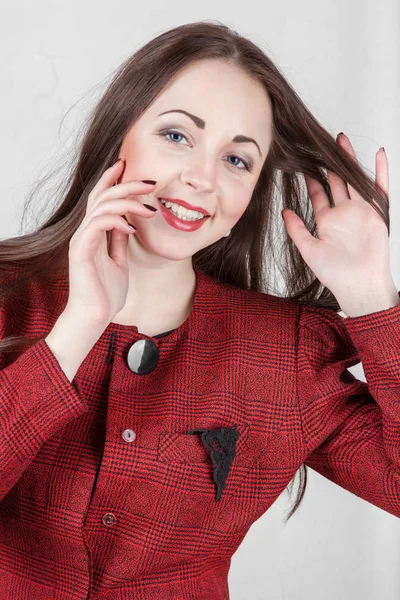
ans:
(203, 167)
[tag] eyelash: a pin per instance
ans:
(165, 132)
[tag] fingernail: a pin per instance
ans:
(150, 207)
(337, 137)
(382, 148)
(149, 181)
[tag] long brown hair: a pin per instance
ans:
(300, 145)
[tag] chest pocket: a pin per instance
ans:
(196, 480)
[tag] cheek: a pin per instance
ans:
(139, 155)
(235, 205)
(147, 161)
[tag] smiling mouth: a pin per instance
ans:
(182, 224)
(194, 219)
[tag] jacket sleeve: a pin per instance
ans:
(36, 400)
(351, 428)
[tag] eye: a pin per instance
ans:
(163, 134)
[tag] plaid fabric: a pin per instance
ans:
(87, 511)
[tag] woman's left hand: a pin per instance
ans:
(351, 254)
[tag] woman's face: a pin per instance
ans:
(195, 160)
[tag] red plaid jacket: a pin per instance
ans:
(104, 493)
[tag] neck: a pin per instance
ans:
(159, 298)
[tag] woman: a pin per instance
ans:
(158, 400)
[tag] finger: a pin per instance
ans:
(298, 232)
(345, 143)
(118, 246)
(382, 170)
(108, 178)
(120, 206)
(339, 189)
(318, 196)
(122, 192)
(89, 238)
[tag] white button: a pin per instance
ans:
(129, 435)
(109, 519)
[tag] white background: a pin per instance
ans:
(342, 58)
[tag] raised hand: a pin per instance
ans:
(98, 274)
(350, 256)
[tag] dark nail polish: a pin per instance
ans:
(382, 148)
(150, 207)
(149, 181)
(341, 133)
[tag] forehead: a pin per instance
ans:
(220, 94)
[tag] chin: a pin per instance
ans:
(169, 248)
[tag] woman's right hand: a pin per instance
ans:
(98, 275)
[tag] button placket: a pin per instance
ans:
(142, 358)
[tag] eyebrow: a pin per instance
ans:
(202, 124)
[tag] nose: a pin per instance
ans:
(199, 177)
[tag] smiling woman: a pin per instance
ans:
(165, 395)
(201, 162)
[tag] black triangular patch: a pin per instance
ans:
(221, 444)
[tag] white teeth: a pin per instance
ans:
(181, 212)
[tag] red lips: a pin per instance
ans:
(187, 205)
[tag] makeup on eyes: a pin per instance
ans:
(173, 129)
(201, 124)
